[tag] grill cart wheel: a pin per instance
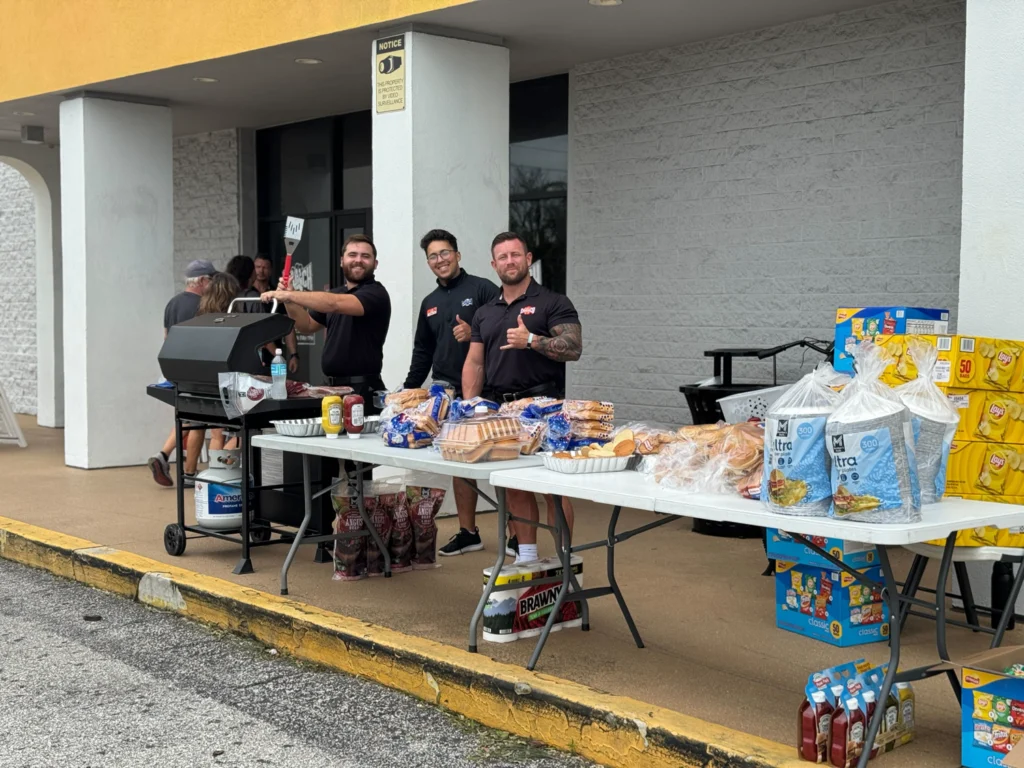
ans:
(174, 540)
(259, 533)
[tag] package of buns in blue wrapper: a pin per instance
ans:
(466, 409)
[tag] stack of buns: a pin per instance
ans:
(589, 419)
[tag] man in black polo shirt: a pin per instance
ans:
(519, 346)
(441, 343)
(356, 317)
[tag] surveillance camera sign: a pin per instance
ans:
(389, 73)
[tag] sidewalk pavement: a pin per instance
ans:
(706, 615)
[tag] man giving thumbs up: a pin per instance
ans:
(519, 346)
(446, 314)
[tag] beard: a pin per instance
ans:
(350, 277)
(514, 278)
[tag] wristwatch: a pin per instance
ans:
(293, 355)
(529, 341)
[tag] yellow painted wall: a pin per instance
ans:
(56, 45)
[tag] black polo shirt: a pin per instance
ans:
(355, 344)
(434, 346)
(518, 370)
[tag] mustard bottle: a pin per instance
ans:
(331, 413)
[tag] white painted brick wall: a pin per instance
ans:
(735, 192)
(205, 200)
(18, 290)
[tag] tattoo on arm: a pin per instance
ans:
(564, 345)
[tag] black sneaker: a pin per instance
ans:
(161, 470)
(512, 547)
(189, 481)
(462, 542)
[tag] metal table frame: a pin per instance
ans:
(733, 509)
(366, 453)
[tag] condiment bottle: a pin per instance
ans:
(330, 410)
(815, 723)
(869, 701)
(353, 406)
(847, 735)
(892, 711)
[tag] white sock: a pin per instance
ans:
(527, 553)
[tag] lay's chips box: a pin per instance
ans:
(990, 470)
(986, 416)
(992, 708)
(853, 325)
(902, 368)
(990, 364)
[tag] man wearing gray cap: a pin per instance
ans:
(179, 309)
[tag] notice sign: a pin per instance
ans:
(390, 73)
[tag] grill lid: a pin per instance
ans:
(195, 351)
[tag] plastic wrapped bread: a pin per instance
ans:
(797, 471)
(870, 439)
(934, 420)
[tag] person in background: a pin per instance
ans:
(180, 308)
(260, 283)
(356, 317)
(519, 346)
(223, 288)
(440, 345)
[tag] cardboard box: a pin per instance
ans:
(985, 469)
(828, 605)
(985, 416)
(858, 323)
(989, 536)
(902, 369)
(990, 364)
(991, 709)
(782, 546)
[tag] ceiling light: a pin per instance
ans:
(24, 114)
(309, 61)
(205, 79)
(606, 3)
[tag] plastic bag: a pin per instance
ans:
(349, 553)
(241, 392)
(870, 439)
(423, 504)
(934, 419)
(647, 438)
(796, 478)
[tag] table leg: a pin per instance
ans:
(479, 612)
(940, 609)
(245, 564)
(1008, 609)
(307, 515)
(911, 585)
(367, 520)
(565, 554)
(892, 598)
(563, 542)
(612, 524)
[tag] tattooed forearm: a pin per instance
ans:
(564, 345)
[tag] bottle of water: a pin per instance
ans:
(279, 373)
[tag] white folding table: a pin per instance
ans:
(939, 521)
(366, 452)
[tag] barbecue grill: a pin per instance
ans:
(193, 356)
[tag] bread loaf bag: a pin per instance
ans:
(796, 478)
(871, 442)
(933, 418)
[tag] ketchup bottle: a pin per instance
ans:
(352, 406)
(847, 735)
(815, 723)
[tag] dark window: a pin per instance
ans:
(539, 171)
(320, 171)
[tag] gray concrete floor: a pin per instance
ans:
(141, 688)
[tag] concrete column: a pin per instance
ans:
(442, 161)
(116, 196)
(992, 237)
(992, 234)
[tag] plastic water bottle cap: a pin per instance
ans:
(277, 351)
(480, 410)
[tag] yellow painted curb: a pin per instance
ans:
(612, 730)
